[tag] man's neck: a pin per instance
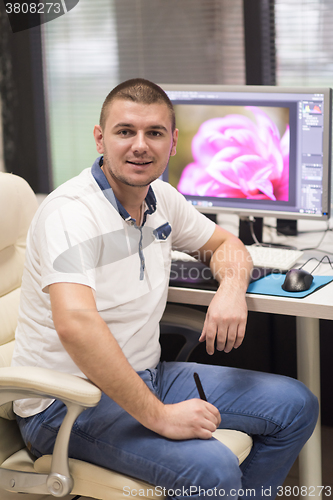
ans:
(131, 197)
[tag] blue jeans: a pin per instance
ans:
(278, 412)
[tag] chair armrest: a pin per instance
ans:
(27, 381)
(77, 393)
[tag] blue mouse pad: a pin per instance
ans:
(271, 285)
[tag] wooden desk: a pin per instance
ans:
(308, 312)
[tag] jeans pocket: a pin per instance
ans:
(149, 377)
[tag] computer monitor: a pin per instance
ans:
(253, 150)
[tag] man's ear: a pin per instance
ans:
(174, 142)
(98, 135)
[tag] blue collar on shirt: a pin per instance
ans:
(103, 183)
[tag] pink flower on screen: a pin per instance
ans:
(235, 157)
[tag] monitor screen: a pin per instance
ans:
(260, 151)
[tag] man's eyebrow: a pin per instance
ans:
(130, 125)
(123, 125)
(159, 127)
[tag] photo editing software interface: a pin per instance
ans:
(260, 151)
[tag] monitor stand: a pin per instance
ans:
(245, 234)
(287, 227)
(284, 226)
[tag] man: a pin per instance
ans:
(94, 289)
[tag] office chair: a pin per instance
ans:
(54, 475)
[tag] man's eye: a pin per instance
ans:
(154, 133)
(124, 133)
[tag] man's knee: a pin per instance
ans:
(304, 408)
(310, 409)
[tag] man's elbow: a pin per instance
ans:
(70, 326)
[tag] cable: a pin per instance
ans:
(303, 232)
(255, 239)
(269, 226)
(319, 262)
(262, 244)
(318, 250)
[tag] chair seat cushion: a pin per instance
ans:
(22, 460)
(97, 482)
(238, 442)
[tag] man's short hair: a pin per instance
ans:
(141, 91)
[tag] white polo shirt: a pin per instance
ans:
(82, 234)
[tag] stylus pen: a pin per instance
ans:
(199, 387)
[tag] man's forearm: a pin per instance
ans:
(231, 264)
(96, 352)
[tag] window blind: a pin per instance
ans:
(80, 58)
(100, 43)
(304, 42)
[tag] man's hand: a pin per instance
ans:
(189, 419)
(226, 317)
(225, 321)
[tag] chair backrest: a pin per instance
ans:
(18, 205)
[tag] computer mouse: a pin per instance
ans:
(297, 280)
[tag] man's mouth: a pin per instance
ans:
(139, 163)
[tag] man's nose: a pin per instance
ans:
(139, 144)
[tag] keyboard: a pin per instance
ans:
(274, 257)
(195, 274)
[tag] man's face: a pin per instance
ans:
(137, 142)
